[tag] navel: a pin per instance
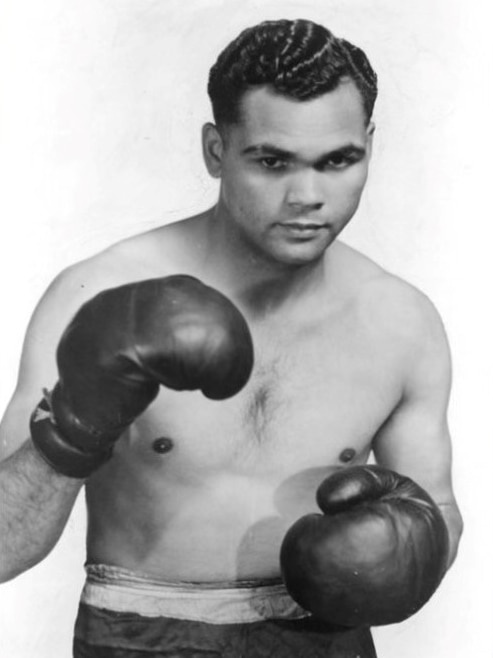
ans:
(162, 445)
(347, 455)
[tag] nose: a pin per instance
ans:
(304, 191)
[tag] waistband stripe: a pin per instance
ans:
(121, 590)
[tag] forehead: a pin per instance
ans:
(333, 119)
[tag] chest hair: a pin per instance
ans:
(265, 402)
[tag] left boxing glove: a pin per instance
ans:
(120, 347)
(374, 557)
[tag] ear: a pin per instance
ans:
(212, 149)
(370, 131)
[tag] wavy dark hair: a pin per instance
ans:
(298, 58)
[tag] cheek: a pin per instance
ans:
(350, 187)
(245, 190)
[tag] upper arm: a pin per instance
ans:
(37, 368)
(118, 264)
(415, 440)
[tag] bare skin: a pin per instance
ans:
(349, 360)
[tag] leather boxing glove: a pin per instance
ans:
(374, 557)
(120, 347)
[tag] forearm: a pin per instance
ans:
(35, 505)
(453, 520)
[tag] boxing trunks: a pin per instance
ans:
(123, 614)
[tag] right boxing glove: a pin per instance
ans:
(374, 557)
(120, 347)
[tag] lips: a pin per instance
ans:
(304, 229)
(303, 226)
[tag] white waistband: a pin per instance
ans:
(122, 590)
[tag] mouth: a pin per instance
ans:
(303, 225)
(304, 229)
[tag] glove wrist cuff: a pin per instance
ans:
(55, 449)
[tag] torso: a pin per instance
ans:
(202, 490)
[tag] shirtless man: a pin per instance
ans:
(186, 518)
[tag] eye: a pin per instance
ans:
(271, 162)
(338, 161)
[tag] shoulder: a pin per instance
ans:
(384, 296)
(148, 255)
(124, 262)
(156, 253)
(407, 313)
(392, 310)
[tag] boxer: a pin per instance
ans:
(204, 380)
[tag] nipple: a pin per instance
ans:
(347, 455)
(162, 445)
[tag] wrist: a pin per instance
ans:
(57, 451)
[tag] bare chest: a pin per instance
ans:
(316, 398)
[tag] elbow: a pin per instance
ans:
(11, 568)
(9, 572)
(459, 530)
(455, 526)
(6, 575)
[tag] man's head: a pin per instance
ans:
(299, 59)
(292, 139)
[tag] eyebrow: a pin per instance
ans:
(350, 149)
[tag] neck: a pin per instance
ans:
(260, 283)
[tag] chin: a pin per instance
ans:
(300, 255)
